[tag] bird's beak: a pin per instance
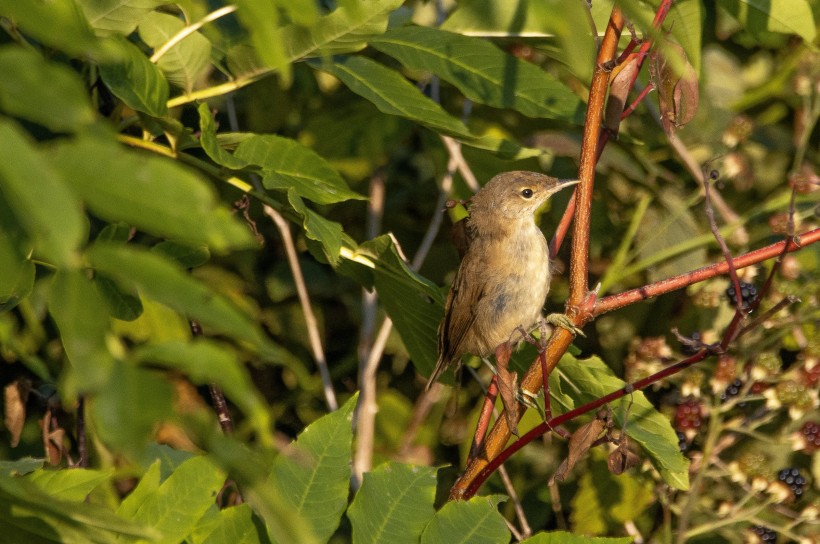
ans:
(567, 182)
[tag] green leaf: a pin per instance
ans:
(287, 164)
(261, 18)
(30, 95)
(145, 489)
(475, 521)
(181, 500)
(394, 95)
(151, 193)
(206, 362)
(786, 16)
(393, 505)
(43, 205)
(313, 475)
(588, 379)
(604, 502)
(128, 409)
(20, 467)
(118, 16)
(137, 81)
(70, 485)
(165, 282)
(121, 304)
(563, 537)
(413, 302)
(235, 525)
(185, 255)
(326, 232)
(17, 271)
(41, 18)
(83, 322)
(210, 144)
(481, 71)
(186, 62)
(29, 515)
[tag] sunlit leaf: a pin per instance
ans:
(184, 63)
(475, 521)
(117, 16)
(787, 16)
(137, 81)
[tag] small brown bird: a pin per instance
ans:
(504, 276)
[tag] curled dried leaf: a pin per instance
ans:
(677, 85)
(15, 396)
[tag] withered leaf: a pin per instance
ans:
(15, 396)
(580, 443)
(677, 84)
(619, 92)
(622, 459)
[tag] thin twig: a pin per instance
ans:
(311, 323)
(82, 446)
(727, 255)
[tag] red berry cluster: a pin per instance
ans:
(689, 417)
(810, 436)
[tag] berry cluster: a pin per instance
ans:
(748, 292)
(764, 533)
(810, 436)
(792, 478)
(732, 390)
(683, 443)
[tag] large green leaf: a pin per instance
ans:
(481, 71)
(394, 504)
(585, 380)
(786, 16)
(29, 91)
(415, 304)
(42, 203)
(71, 485)
(118, 16)
(137, 81)
(186, 62)
(210, 144)
(261, 18)
(563, 537)
(164, 281)
(328, 233)
(287, 164)
(27, 514)
(394, 95)
(151, 193)
(83, 322)
(235, 525)
(475, 521)
(60, 24)
(207, 362)
(313, 475)
(17, 272)
(176, 505)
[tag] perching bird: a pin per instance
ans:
(504, 276)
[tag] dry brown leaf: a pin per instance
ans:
(15, 396)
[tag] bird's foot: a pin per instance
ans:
(560, 320)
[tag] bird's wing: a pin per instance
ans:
(459, 312)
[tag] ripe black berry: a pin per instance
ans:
(732, 390)
(764, 533)
(683, 444)
(748, 292)
(792, 478)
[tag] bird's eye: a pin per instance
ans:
(526, 193)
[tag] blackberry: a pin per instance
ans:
(694, 347)
(732, 390)
(810, 436)
(688, 415)
(792, 478)
(764, 533)
(748, 292)
(683, 444)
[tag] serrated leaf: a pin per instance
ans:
(137, 81)
(29, 91)
(415, 304)
(394, 95)
(70, 485)
(176, 505)
(313, 474)
(83, 322)
(151, 193)
(186, 62)
(327, 233)
(475, 521)
(46, 209)
(29, 515)
(786, 16)
(210, 144)
(393, 505)
(590, 379)
(287, 164)
(563, 537)
(235, 525)
(164, 281)
(481, 71)
(118, 16)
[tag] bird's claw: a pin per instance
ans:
(560, 320)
